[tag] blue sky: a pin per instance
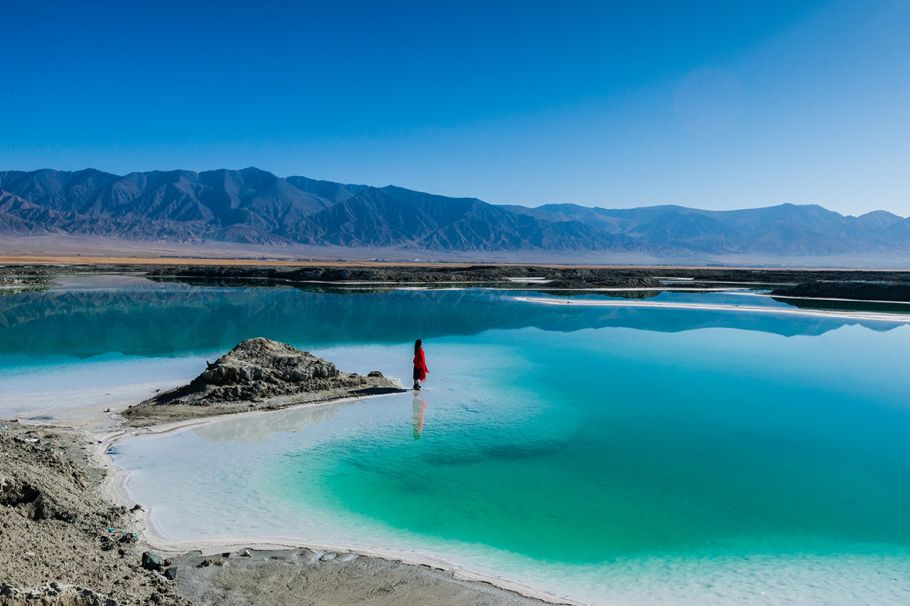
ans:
(719, 104)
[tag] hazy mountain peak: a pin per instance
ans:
(256, 206)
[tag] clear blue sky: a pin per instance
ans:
(721, 104)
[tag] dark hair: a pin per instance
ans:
(417, 345)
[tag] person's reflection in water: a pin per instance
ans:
(420, 407)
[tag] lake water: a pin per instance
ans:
(620, 455)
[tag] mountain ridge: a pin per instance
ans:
(253, 206)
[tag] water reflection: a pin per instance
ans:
(833, 304)
(418, 414)
(185, 319)
(259, 426)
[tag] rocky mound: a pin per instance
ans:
(254, 370)
(258, 373)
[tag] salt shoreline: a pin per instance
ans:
(847, 315)
(115, 488)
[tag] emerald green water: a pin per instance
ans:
(621, 455)
(614, 443)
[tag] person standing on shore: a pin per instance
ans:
(420, 364)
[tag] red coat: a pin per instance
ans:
(420, 363)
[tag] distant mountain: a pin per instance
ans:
(253, 206)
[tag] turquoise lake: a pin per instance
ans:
(620, 455)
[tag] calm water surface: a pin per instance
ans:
(617, 455)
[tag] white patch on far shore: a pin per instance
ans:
(786, 311)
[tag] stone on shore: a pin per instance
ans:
(152, 561)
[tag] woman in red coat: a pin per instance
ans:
(420, 364)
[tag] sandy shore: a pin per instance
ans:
(72, 536)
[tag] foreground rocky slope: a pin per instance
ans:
(257, 374)
(60, 540)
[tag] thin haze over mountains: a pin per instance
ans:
(256, 207)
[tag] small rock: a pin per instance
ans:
(135, 508)
(152, 561)
(226, 554)
(245, 553)
(204, 563)
(171, 573)
(375, 373)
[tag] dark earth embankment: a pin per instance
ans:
(865, 290)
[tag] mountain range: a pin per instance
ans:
(253, 206)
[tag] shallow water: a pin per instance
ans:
(613, 455)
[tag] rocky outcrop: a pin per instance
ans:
(255, 370)
(258, 373)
